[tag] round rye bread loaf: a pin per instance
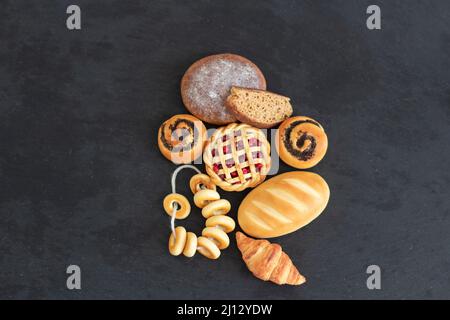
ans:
(206, 85)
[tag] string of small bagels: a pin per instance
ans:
(229, 91)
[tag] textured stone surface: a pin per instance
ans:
(82, 179)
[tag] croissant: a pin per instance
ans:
(267, 261)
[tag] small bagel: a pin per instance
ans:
(225, 223)
(183, 209)
(207, 248)
(218, 236)
(203, 197)
(219, 207)
(190, 248)
(201, 180)
(176, 245)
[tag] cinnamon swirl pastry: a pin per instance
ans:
(301, 142)
(181, 138)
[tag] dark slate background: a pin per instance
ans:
(82, 180)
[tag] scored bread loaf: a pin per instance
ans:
(283, 204)
(259, 108)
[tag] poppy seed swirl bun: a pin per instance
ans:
(181, 138)
(301, 142)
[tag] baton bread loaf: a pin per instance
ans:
(283, 204)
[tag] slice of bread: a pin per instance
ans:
(259, 108)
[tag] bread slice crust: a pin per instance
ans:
(232, 105)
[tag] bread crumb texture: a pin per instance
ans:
(259, 107)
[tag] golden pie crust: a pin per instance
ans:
(237, 157)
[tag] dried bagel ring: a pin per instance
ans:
(301, 142)
(181, 138)
(216, 208)
(177, 243)
(190, 248)
(218, 236)
(179, 202)
(203, 197)
(201, 181)
(183, 242)
(225, 223)
(207, 248)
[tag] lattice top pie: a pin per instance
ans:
(237, 157)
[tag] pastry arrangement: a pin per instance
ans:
(229, 91)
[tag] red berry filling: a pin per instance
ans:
(217, 167)
(229, 163)
(253, 142)
(256, 154)
(242, 158)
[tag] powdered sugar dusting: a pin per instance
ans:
(210, 85)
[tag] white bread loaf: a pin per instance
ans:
(283, 204)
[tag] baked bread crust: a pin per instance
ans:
(230, 103)
(283, 204)
(267, 261)
(207, 82)
(301, 142)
